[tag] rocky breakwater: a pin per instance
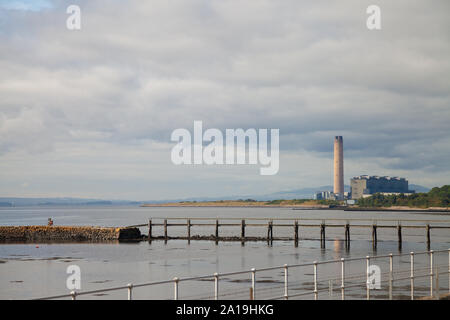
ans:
(66, 233)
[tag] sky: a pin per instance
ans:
(89, 113)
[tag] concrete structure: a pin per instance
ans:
(66, 233)
(363, 186)
(338, 168)
(323, 195)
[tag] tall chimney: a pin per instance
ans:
(338, 167)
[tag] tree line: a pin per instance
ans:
(436, 197)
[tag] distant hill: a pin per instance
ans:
(21, 202)
(301, 193)
(418, 188)
(6, 204)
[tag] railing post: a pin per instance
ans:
(175, 292)
(367, 277)
(130, 291)
(286, 288)
(399, 234)
(243, 230)
(342, 278)
(412, 275)
(391, 275)
(431, 273)
(253, 283)
(428, 237)
(216, 286)
(330, 287)
(438, 293)
(449, 270)
(74, 295)
(316, 293)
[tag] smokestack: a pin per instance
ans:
(338, 167)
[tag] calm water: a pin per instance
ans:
(35, 270)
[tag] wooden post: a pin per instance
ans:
(322, 235)
(243, 230)
(347, 235)
(296, 231)
(271, 230)
(428, 237)
(150, 230)
(374, 236)
(399, 233)
(217, 230)
(165, 229)
(189, 229)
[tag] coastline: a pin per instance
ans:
(306, 206)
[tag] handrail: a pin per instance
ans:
(254, 271)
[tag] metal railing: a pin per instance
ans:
(432, 271)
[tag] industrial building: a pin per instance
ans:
(323, 195)
(364, 186)
(360, 186)
(328, 195)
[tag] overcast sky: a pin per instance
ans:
(89, 113)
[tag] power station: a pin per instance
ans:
(360, 186)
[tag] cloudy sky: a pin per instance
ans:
(89, 113)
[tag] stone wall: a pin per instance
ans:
(62, 233)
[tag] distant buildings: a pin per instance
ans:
(364, 186)
(323, 195)
(329, 195)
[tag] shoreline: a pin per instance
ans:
(300, 207)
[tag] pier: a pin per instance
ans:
(66, 233)
(292, 228)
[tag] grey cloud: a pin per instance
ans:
(139, 69)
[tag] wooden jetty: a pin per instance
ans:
(287, 223)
